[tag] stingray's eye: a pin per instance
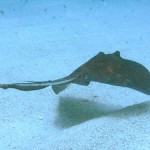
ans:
(117, 54)
(102, 54)
(99, 56)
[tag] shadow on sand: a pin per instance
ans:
(74, 111)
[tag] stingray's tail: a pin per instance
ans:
(57, 85)
(23, 86)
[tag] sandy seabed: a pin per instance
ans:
(46, 40)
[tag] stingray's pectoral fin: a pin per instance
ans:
(59, 88)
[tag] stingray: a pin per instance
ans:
(103, 68)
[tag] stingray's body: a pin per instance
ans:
(103, 68)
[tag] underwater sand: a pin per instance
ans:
(46, 40)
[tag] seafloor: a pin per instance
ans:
(48, 39)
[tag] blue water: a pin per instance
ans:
(47, 40)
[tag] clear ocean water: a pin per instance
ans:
(49, 39)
